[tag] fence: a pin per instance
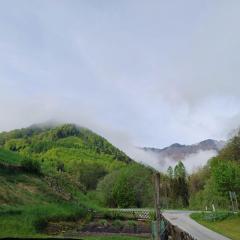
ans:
(168, 230)
(133, 213)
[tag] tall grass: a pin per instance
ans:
(30, 220)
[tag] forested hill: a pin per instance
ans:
(63, 145)
(73, 160)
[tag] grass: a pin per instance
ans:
(27, 203)
(28, 221)
(229, 227)
(9, 157)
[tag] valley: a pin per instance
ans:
(57, 180)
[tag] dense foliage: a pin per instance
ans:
(212, 184)
(175, 187)
(127, 187)
(52, 172)
(99, 169)
(65, 148)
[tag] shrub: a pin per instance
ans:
(40, 224)
(31, 166)
(103, 222)
(130, 186)
(132, 223)
(90, 173)
(118, 224)
(216, 216)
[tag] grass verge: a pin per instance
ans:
(228, 226)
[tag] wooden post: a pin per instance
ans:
(231, 198)
(236, 201)
(157, 204)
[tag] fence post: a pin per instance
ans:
(157, 205)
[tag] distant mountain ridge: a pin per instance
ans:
(178, 151)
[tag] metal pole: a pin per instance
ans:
(236, 201)
(157, 204)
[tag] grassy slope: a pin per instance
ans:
(9, 157)
(229, 227)
(27, 201)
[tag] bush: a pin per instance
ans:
(31, 166)
(40, 224)
(211, 216)
(90, 173)
(128, 187)
(118, 224)
(103, 222)
(216, 216)
(132, 223)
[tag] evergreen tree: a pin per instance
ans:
(170, 172)
(180, 186)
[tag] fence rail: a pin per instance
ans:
(133, 213)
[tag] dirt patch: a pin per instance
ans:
(29, 188)
(99, 226)
(85, 234)
(117, 226)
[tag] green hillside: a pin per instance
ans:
(66, 144)
(28, 200)
(9, 157)
(63, 173)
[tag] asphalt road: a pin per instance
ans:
(183, 221)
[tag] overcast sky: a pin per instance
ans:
(144, 72)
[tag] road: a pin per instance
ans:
(182, 220)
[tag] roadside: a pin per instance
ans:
(183, 220)
(230, 226)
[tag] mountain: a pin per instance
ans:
(61, 155)
(68, 144)
(178, 151)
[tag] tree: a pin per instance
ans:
(197, 180)
(90, 174)
(180, 185)
(170, 172)
(231, 152)
(105, 189)
(179, 170)
(226, 176)
(130, 186)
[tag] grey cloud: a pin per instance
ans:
(139, 73)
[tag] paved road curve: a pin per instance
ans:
(183, 221)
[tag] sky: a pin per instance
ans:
(142, 73)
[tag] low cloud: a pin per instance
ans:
(199, 159)
(123, 70)
(191, 162)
